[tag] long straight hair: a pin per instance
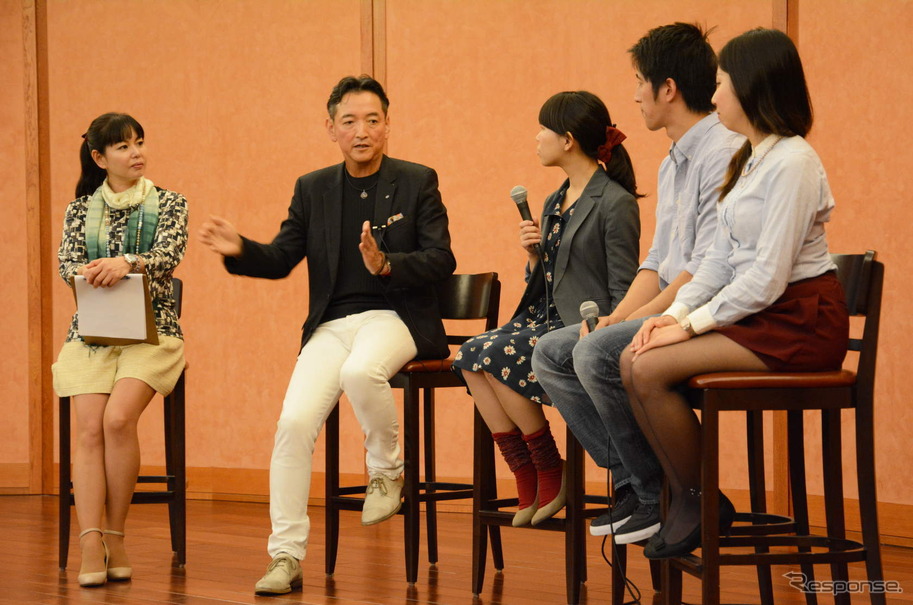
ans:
(586, 117)
(107, 129)
(769, 82)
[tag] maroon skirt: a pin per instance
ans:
(805, 330)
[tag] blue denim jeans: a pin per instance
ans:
(582, 378)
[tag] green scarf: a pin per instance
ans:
(97, 234)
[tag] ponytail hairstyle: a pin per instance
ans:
(769, 82)
(584, 116)
(107, 129)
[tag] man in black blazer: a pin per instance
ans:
(374, 232)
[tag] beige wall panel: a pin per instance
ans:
(467, 80)
(232, 97)
(854, 55)
(14, 407)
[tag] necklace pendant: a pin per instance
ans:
(364, 194)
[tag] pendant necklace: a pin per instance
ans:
(364, 190)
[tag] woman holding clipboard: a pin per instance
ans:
(119, 223)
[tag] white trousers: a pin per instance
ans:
(357, 355)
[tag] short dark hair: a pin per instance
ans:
(363, 83)
(585, 116)
(769, 82)
(681, 52)
(107, 129)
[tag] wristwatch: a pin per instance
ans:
(133, 260)
(685, 325)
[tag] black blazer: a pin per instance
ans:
(410, 225)
(599, 251)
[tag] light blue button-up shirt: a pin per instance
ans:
(689, 181)
(771, 233)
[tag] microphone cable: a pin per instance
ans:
(630, 586)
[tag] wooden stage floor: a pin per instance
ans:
(227, 554)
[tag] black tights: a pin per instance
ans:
(669, 423)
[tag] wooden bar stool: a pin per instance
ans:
(829, 393)
(487, 511)
(174, 481)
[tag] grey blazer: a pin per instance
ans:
(599, 252)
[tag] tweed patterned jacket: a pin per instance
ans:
(167, 251)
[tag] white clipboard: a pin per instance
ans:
(118, 315)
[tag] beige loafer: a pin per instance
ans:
(549, 510)
(525, 515)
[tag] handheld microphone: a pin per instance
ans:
(589, 311)
(518, 195)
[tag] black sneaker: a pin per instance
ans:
(642, 524)
(618, 515)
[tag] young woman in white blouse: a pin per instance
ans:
(765, 296)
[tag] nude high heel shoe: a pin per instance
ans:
(93, 578)
(118, 574)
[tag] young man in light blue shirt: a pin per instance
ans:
(675, 68)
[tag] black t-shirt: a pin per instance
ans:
(356, 289)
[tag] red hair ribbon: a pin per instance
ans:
(613, 138)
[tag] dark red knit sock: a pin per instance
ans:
(547, 459)
(516, 454)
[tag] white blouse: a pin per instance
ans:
(770, 233)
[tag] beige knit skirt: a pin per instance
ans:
(82, 369)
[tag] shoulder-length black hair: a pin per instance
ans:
(585, 116)
(769, 82)
(107, 129)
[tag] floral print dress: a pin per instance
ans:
(507, 352)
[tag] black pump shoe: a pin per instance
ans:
(657, 548)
